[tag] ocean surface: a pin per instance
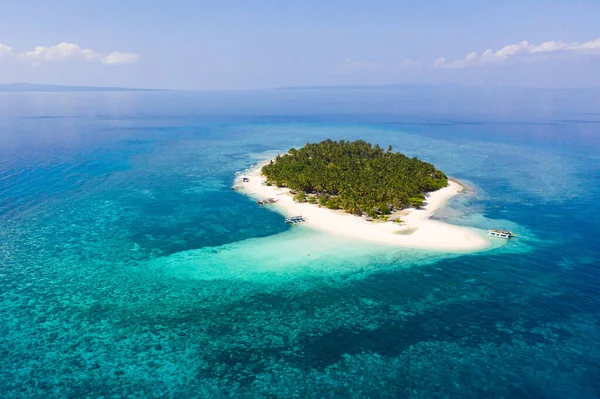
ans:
(129, 268)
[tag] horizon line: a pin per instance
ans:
(43, 87)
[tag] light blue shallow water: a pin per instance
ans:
(130, 269)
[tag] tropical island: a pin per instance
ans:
(356, 177)
(363, 192)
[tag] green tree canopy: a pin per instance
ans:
(356, 176)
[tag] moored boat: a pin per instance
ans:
(296, 219)
(501, 233)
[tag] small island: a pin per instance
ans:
(356, 177)
(361, 191)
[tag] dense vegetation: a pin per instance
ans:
(354, 176)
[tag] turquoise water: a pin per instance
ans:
(130, 269)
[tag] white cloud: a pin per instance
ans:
(60, 52)
(521, 51)
(117, 58)
(5, 50)
(68, 52)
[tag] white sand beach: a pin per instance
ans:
(417, 231)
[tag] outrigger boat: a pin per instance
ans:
(501, 233)
(296, 219)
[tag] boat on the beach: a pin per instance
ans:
(267, 201)
(501, 233)
(296, 219)
(238, 187)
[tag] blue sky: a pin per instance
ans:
(261, 44)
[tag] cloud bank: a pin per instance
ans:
(67, 52)
(522, 51)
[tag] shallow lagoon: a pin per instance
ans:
(129, 266)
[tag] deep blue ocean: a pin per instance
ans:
(129, 268)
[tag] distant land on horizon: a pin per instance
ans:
(35, 87)
(32, 87)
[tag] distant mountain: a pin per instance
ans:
(31, 87)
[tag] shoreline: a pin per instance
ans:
(417, 231)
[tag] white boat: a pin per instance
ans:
(501, 233)
(296, 219)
